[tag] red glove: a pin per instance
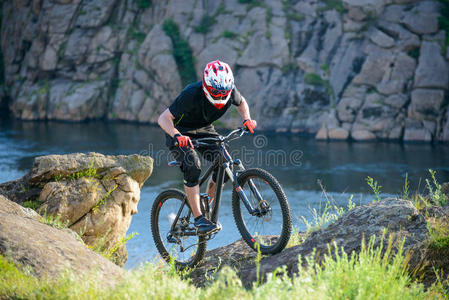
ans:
(250, 125)
(183, 141)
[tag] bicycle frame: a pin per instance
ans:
(222, 163)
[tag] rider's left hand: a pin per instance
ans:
(250, 125)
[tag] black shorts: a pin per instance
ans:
(188, 157)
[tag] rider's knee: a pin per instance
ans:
(192, 175)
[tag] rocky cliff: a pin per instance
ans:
(335, 68)
(92, 194)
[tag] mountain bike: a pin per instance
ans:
(259, 205)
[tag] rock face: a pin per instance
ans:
(46, 250)
(393, 218)
(295, 61)
(93, 194)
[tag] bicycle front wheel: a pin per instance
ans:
(270, 227)
(178, 243)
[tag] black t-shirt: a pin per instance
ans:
(193, 111)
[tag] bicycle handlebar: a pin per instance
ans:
(207, 141)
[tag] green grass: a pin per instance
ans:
(54, 220)
(32, 203)
(372, 274)
(181, 52)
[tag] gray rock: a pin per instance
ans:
(94, 13)
(97, 206)
(445, 131)
(423, 18)
(397, 100)
(77, 46)
(397, 75)
(49, 59)
(377, 64)
(393, 13)
(322, 134)
(344, 64)
(102, 46)
(338, 134)
(425, 103)
(219, 50)
(47, 251)
(405, 40)
(417, 135)
(363, 135)
(433, 70)
(381, 39)
(375, 116)
(57, 18)
(264, 52)
(348, 108)
(350, 25)
(76, 101)
(399, 217)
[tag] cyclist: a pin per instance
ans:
(190, 116)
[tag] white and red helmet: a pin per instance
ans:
(218, 82)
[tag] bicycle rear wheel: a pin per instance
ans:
(180, 244)
(271, 227)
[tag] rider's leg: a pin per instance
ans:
(193, 196)
(211, 186)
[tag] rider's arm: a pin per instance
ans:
(243, 110)
(165, 120)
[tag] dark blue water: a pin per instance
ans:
(298, 162)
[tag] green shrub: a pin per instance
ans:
(229, 34)
(414, 53)
(181, 52)
(142, 3)
(205, 24)
(313, 79)
(443, 22)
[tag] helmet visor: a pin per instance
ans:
(218, 94)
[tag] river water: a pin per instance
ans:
(297, 162)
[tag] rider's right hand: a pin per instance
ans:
(183, 141)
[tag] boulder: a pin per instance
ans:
(425, 104)
(415, 132)
(433, 69)
(381, 39)
(423, 18)
(363, 135)
(322, 134)
(396, 100)
(389, 219)
(338, 134)
(47, 251)
(262, 51)
(347, 109)
(399, 218)
(93, 194)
